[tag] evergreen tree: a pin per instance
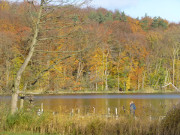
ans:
(144, 24)
(108, 16)
(123, 17)
(155, 22)
(163, 24)
(117, 16)
(100, 17)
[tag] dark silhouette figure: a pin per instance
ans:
(120, 89)
(31, 99)
(124, 109)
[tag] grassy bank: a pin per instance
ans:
(28, 122)
(63, 92)
(88, 125)
(87, 91)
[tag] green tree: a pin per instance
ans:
(123, 17)
(100, 17)
(155, 22)
(117, 15)
(108, 16)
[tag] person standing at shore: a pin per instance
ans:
(132, 108)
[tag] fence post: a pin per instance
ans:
(116, 111)
(21, 102)
(42, 107)
(94, 110)
(78, 111)
(72, 112)
(108, 111)
(124, 109)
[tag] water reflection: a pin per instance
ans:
(146, 104)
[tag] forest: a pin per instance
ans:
(84, 48)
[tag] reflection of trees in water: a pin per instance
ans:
(145, 107)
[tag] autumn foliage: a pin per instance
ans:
(108, 50)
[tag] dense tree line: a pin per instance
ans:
(87, 48)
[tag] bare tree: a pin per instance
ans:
(47, 13)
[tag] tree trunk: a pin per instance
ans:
(143, 78)
(14, 102)
(103, 71)
(139, 82)
(96, 79)
(177, 71)
(118, 66)
(173, 69)
(118, 76)
(7, 73)
(24, 65)
(48, 78)
(79, 70)
(175, 54)
(118, 81)
(106, 72)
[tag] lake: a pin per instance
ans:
(146, 104)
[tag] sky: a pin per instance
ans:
(166, 9)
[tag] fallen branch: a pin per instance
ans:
(172, 85)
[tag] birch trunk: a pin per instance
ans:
(7, 72)
(174, 60)
(118, 76)
(139, 83)
(103, 71)
(143, 78)
(17, 81)
(106, 72)
(96, 80)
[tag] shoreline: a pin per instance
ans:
(91, 92)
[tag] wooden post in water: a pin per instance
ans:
(72, 112)
(30, 99)
(78, 111)
(124, 109)
(85, 110)
(150, 118)
(94, 110)
(21, 102)
(108, 111)
(42, 108)
(116, 112)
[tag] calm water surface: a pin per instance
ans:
(150, 104)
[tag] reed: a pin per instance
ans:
(170, 125)
(28, 122)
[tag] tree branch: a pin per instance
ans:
(57, 62)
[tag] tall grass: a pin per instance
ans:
(76, 125)
(3, 115)
(66, 124)
(170, 125)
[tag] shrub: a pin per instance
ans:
(20, 119)
(170, 125)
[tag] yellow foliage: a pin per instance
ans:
(154, 37)
(17, 62)
(128, 83)
(4, 5)
(6, 26)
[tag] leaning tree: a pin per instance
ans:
(47, 18)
